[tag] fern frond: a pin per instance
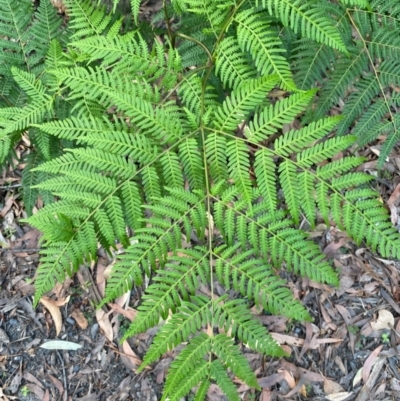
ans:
(307, 18)
(86, 19)
(255, 36)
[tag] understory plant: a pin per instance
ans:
(199, 142)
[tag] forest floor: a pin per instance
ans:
(351, 351)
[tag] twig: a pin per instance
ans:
(65, 395)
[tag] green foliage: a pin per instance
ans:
(364, 83)
(189, 153)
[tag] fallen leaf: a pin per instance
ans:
(7, 207)
(369, 362)
(289, 378)
(38, 391)
(265, 395)
(357, 377)
(338, 396)
(331, 387)
(129, 358)
(385, 321)
(54, 308)
(129, 312)
(57, 383)
(80, 319)
(60, 344)
(392, 204)
(104, 323)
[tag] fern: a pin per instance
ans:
(362, 83)
(180, 152)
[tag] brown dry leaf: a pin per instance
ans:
(7, 207)
(104, 323)
(385, 320)
(392, 204)
(57, 383)
(331, 387)
(38, 391)
(102, 273)
(369, 362)
(129, 312)
(299, 342)
(129, 358)
(54, 308)
(333, 246)
(80, 319)
(46, 396)
(285, 339)
(338, 396)
(265, 395)
(288, 377)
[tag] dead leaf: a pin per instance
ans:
(288, 377)
(29, 377)
(80, 319)
(57, 383)
(265, 395)
(357, 377)
(7, 207)
(104, 323)
(38, 391)
(385, 320)
(331, 387)
(129, 358)
(392, 204)
(369, 362)
(338, 396)
(129, 312)
(54, 308)
(333, 246)
(60, 344)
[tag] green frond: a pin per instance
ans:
(227, 352)
(255, 36)
(239, 166)
(234, 315)
(215, 150)
(190, 318)
(86, 19)
(264, 168)
(308, 18)
(189, 368)
(135, 6)
(192, 163)
(219, 374)
(232, 64)
(358, 3)
(244, 99)
(256, 280)
(273, 117)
